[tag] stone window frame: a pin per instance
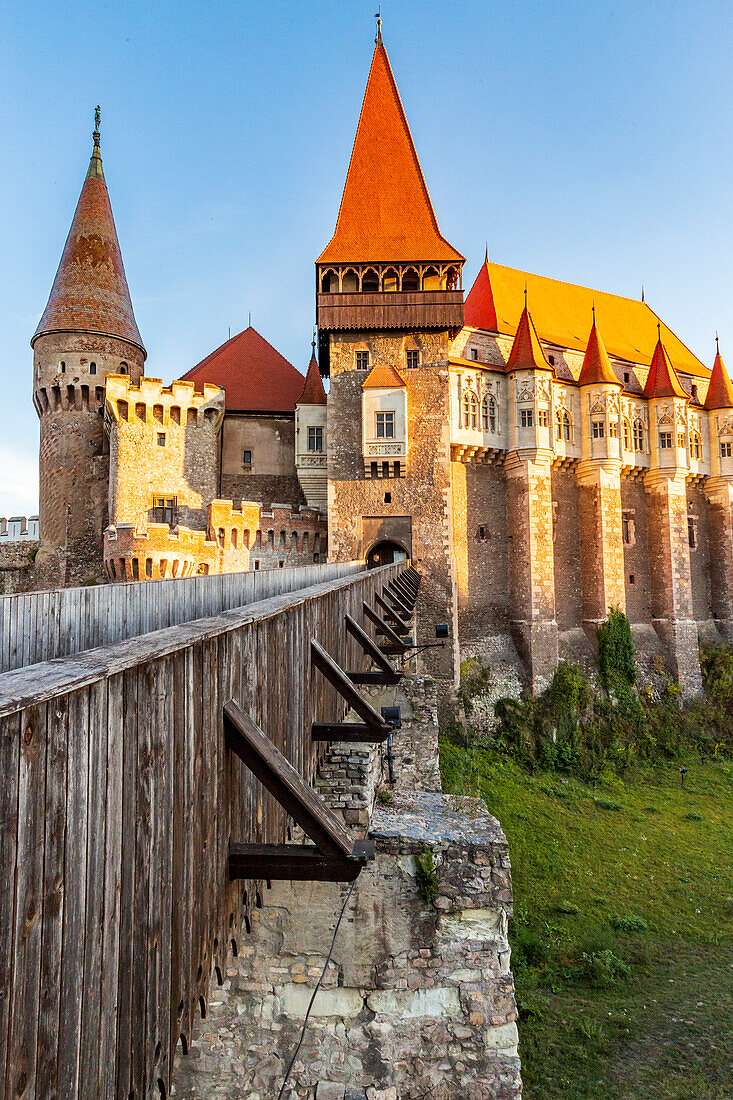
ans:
(726, 448)
(543, 418)
(384, 419)
(361, 359)
(412, 358)
(526, 418)
(563, 426)
(315, 434)
(247, 464)
(695, 445)
(165, 509)
(598, 428)
(665, 439)
(639, 435)
(628, 527)
(469, 410)
(489, 411)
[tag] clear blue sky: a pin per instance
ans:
(588, 141)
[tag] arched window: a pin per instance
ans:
(329, 282)
(626, 425)
(452, 278)
(431, 279)
(123, 368)
(470, 410)
(639, 435)
(410, 280)
(349, 282)
(563, 425)
(695, 446)
(390, 280)
(370, 281)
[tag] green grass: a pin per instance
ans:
(623, 930)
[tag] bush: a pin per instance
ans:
(629, 925)
(601, 969)
(616, 660)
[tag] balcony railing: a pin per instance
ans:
(416, 309)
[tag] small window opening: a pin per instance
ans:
(362, 360)
(164, 510)
(632, 578)
(413, 359)
(257, 564)
(692, 532)
(387, 498)
(694, 392)
(123, 368)
(315, 439)
(247, 458)
(63, 367)
(474, 354)
(92, 368)
(161, 439)
(551, 360)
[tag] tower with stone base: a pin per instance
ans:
(389, 301)
(87, 331)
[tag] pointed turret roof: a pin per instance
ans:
(720, 390)
(526, 353)
(90, 292)
(313, 392)
(662, 380)
(386, 215)
(596, 364)
(254, 376)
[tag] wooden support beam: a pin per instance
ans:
(338, 679)
(399, 625)
(406, 590)
(280, 778)
(396, 645)
(296, 862)
(403, 611)
(385, 673)
(354, 732)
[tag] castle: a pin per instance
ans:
(542, 451)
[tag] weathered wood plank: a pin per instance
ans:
(113, 846)
(9, 770)
(127, 887)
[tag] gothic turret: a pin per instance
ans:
(530, 379)
(600, 390)
(387, 265)
(719, 493)
(667, 412)
(87, 331)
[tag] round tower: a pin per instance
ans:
(87, 331)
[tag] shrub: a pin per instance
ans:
(427, 876)
(629, 925)
(608, 804)
(601, 969)
(616, 660)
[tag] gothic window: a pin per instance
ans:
(329, 282)
(470, 410)
(562, 426)
(349, 282)
(680, 439)
(164, 510)
(234, 538)
(92, 368)
(315, 439)
(627, 434)
(431, 279)
(542, 418)
(413, 359)
(370, 282)
(410, 280)
(638, 435)
(526, 418)
(613, 429)
(665, 441)
(598, 429)
(362, 360)
(695, 446)
(385, 425)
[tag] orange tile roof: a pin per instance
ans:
(313, 392)
(383, 377)
(526, 353)
(90, 292)
(596, 364)
(662, 380)
(720, 390)
(386, 215)
(255, 377)
(561, 312)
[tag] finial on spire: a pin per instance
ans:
(486, 256)
(593, 311)
(642, 293)
(378, 18)
(97, 120)
(659, 330)
(717, 343)
(313, 343)
(525, 295)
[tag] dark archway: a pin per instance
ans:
(385, 553)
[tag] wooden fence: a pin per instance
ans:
(118, 801)
(38, 626)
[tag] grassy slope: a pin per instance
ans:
(647, 848)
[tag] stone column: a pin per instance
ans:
(719, 493)
(669, 568)
(601, 540)
(531, 562)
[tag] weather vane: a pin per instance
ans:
(378, 18)
(97, 117)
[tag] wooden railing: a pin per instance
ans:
(118, 803)
(38, 626)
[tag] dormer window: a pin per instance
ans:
(627, 377)
(384, 425)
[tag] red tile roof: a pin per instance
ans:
(313, 392)
(383, 377)
(90, 292)
(596, 364)
(720, 390)
(386, 214)
(561, 311)
(256, 378)
(662, 380)
(526, 353)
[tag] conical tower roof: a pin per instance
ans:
(313, 392)
(90, 292)
(386, 215)
(720, 390)
(526, 353)
(596, 367)
(662, 380)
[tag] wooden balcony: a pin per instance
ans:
(426, 309)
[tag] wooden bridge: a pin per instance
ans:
(134, 842)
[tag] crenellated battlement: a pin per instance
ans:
(179, 404)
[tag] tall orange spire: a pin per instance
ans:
(313, 392)
(386, 215)
(596, 364)
(526, 353)
(90, 292)
(662, 380)
(720, 390)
